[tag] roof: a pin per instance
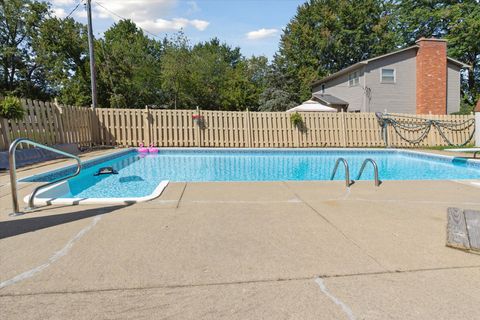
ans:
(367, 61)
(312, 106)
(329, 100)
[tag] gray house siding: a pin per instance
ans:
(453, 88)
(398, 97)
(371, 95)
(340, 88)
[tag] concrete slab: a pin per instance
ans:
(237, 192)
(402, 236)
(267, 300)
(243, 250)
(434, 294)
(202, 244)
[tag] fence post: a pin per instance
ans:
(93, 127)
(249, 129)
(477, 129)
(198, 132)
(146, 129)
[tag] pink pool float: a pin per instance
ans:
(153, 149)
(142, 149)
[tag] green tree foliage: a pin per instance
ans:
(20, 21)
(175, 71)
(128, 67)
(62, 50)
(211, 75)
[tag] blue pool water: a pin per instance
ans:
(140, 174)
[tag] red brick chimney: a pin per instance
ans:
(432, 76)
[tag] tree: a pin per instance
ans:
(328, 35)
(175, 65)
(62, 50)
(20, 73)
(128, 67)
(242, 85)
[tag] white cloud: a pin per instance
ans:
(137, 10)
(147, 13)
(163, 25)
(59, 13)
(199, 24)
(62, 2)
(261, 34)
(82, 14)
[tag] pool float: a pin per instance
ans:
(152, 149)
(142, 148)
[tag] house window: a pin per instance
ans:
(388, 76)
(353, 79)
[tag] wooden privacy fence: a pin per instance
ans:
(52, 124)
(191, 128)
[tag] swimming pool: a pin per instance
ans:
(139, 175)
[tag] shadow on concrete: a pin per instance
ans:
(16, 227)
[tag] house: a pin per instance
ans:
(420, 79)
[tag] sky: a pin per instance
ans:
(253, 25)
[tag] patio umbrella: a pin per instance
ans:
(312, 106)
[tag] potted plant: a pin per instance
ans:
(296, 120)
(11, 108)
(198, 120)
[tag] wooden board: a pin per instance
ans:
(457, 235)
(472, 218)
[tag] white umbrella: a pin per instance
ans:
(312, 106)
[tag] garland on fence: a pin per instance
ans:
(401, 123)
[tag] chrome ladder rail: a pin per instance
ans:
(375, 170)
(348, 182)
(13, 172)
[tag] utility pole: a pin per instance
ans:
(93, 80)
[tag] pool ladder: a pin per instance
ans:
(13, 172)
(349, 182)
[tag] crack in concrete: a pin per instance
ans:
(181, 195)
(273, 280)
(335, 226)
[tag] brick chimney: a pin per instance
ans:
(432, 76)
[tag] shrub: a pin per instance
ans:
(11, 108)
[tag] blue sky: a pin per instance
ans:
(253, 25)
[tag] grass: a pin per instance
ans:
(471, 145)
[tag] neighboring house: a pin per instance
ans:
(420, 79)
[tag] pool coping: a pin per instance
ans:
(51, 200)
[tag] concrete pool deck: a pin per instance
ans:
(269, 250)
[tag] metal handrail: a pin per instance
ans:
(13, 171)
(348, 182)
(375, 170)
